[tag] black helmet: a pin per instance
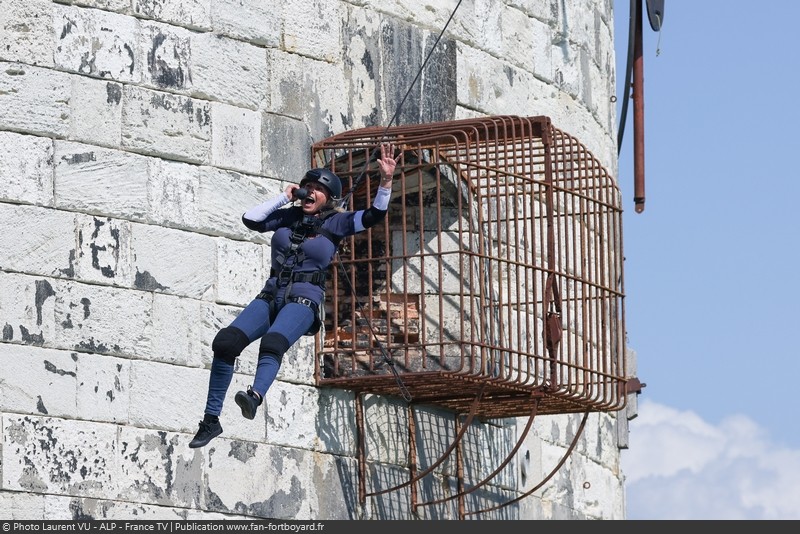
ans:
(325, 177)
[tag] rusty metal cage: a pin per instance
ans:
(497, 273)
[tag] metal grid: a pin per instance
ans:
(497, 272)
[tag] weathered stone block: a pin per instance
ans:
(97, 43)
(172, 191)
(224, 196)
(293, 415)
(236, 140)
(92, 318)
(285, 146)
(98, 106)
(38, 381)
(285, 473)
(313, 29)
(240, 271)
(173, 261)
(34, 100)
(37, 240)
(195, 14)
(166, 125)
(229, 71)
(62, 456)
(255, 22)
(103, 384)
(166, 56)
(177, 331)
(26, 169)
(104, 251)
(158, 468)
(26, 32)
(100, 181)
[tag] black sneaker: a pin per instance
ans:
(248, 402)
(208, 431)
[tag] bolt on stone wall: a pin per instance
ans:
(133, 135)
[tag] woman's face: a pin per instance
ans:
(316, 199)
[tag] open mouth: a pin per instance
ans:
(308, 201)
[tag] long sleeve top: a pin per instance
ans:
(316, 252)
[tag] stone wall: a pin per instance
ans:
(133, 135)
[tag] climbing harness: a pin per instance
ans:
(282, 270)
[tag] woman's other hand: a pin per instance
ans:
(387, 164)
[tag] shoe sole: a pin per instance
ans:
(195, 444)
(243, 402)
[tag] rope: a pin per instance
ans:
(344, 201)
(373, 153)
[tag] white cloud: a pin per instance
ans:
(679, 466)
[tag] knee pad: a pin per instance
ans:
(229, 343)
(274, 344)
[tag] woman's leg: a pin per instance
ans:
(291, 323)
(228, 344)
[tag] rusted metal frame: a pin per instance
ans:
(504, 151)
(434, 156)
(596, 215)
(600, 273)
(369, 306)
(463, 188)
(564, 218)
(436, 161)
(605, 320)
(476, 402)
(528, 279)
(404, 241)
(607, 275)
(491, 155)
(420, 171)
(494, 292)
(582, 217)
(520, 264)
(592, 315)
(412, 455)
(459, 470)
(457, 157)
(517, 263)
(598, 184)
(638, 113)
(619, 301)
(478, 235)
(615, 266)
(349, 272)
(550, 345)
(547, 478)
(540, 273)
(463, 492)
(360, 450)
(473, 236)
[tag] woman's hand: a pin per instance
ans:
(290, 189)
(387, 164)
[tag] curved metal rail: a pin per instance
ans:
(544, 481)
(446, 453)
(499, 468)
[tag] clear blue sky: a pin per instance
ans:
(711, 272)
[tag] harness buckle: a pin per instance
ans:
(265, 295)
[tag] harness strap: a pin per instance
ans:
(285, 277)
(304, 301)
(302, 229)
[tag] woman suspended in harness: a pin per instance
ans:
(304, 244)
